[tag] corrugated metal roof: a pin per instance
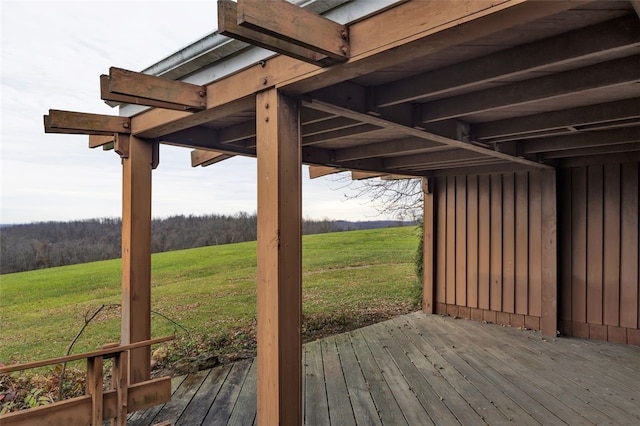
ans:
(215, 56)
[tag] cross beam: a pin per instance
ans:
(204, 158)
(82, 123)
(285, 28)
(136, 88)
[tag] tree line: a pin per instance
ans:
(48, 244)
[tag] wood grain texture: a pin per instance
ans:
(426, 369)
(566, 243)
(629, 275)
(579, 244)
(495, 288)
(472, 241)
(521, 243)
(451, 241)
(535, 244)
(508, 242)
(611, 260)
(136, 255)
(428, 240)
(279, 279)
(441, 240)
(549, 256)
(484, 240)
(461, 241)
(594, 244)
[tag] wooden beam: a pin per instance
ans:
(136, 255)
(324, 157)
(531, 125)
(397, 177)
(600, 76)
(106, 95)
(618, 34)
(318, 171)
(504, 167)
(187, 119)
(342, 133)
(207, 138)
(228, 26)
(590, 160)
(428, 246)
(70, 122)
(100, 140)
(279, 260)
(433, 158)
(330, 124)
(295, 25)
(201, 157)
(355, 175)
(636, 6)
(172, 94)
(456, 22)
(597, 150)
(581, 140)
(394, 147)
(410, 131)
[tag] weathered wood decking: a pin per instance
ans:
(426, 369)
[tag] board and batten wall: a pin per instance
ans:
(542, 250)
(599, 293)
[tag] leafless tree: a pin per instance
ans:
(399, 198)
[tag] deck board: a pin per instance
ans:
(336, 387)
(421, 369)
(199, 406)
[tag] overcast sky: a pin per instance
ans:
(52, 56)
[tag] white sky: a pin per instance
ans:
(52, 54)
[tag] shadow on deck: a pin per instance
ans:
(426, 369)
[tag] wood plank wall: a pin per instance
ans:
(599, 277)
(489, 248)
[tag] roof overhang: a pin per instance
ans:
(458, 87)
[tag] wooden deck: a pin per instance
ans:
(426, 369)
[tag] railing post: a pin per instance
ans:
(121, 385)
(94, 387)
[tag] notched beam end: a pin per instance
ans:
(228, 25)
(96, 141)
(80, 123)
(142, 89)
(204, 158)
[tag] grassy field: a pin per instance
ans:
(349, 279)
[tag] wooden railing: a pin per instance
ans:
(97, 405)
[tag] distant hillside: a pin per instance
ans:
(345, 225)
(48, 244)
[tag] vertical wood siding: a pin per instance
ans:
(492, 255)
(488, 247)
(599, 277)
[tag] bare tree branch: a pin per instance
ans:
(400, 198)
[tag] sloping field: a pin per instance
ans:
(208, 295)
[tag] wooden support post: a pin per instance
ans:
(428, 229)
(279, 260)
(549, 258)
(136, 254)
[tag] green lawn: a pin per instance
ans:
(210, 291)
